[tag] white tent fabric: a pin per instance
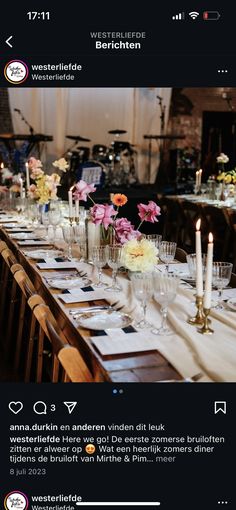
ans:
(92, 112)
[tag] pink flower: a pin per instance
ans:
(34, 163)
(82, 190)
(102, 214)
(32, 191)
(125, 230)
(149, 212)
(36, 173)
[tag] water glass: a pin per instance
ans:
(69, 238)
(114, 261)
(142, 285)
(154, 238)
(221, 274)
(165, 290)
(99, 259)
(191, 260)
(54, 218)
(167, 252)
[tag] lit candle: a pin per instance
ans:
(2, 166)
(197, 178)
(27, 175)
(77, 208)
(70, 202)
(208, 281)
(21, 187)
(199, 278)
(200, 178)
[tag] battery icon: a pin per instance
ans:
(211, 15)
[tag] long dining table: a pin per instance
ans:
(132, 356)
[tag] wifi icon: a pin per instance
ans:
(193, 14)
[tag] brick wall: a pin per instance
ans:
(187, 105)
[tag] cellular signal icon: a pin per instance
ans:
(178, 17)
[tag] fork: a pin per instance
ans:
(112, 306)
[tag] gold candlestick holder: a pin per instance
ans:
(71, 220)
(206, 330)
(77, 220)
(199, 318)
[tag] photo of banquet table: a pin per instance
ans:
(131, 356)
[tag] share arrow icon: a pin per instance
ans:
(70, 406)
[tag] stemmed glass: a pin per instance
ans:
(99, 258)
(142, 285)
(69, 238)
(165, 290)
(33, 214)
(114, 261)
(45, 221)
(54, 219)
(221, 274)
(154, 238)
(80, 239)
(167, 253)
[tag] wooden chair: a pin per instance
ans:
(26, 323)
(181, 255)
(7, 261)
(63, 354)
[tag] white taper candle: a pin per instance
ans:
(27, 176)
(199, 277)
(70, 203)
(208, 280)
(77, 208)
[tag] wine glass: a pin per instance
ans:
(69, 238)
(142, 285)
(192, 264)
(54, 219)
(33, 214)
(167, 253)
(45, 221)
(154, 238)
(80, 239)
(99, 258)
(221, 274)
(114, 261)
(165, 290)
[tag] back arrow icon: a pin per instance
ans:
(7, 41)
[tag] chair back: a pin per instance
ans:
(68, 356)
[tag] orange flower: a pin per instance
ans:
(119, 199)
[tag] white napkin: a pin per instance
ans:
(121, 342)
(31, 242)
(79, 296)
(53, 264)
(227, 294)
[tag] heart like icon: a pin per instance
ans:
(15, 407)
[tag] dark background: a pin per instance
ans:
(196, 481)
(179, 53)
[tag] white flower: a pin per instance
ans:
(139, 255)
(6, 173)
(222, 158)
(61, 164)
